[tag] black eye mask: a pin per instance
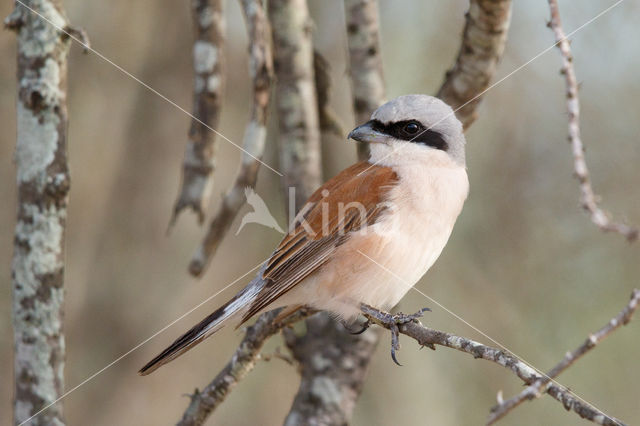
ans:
(412, 131)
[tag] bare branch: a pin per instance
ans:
(587, 197)
(298, 122)
(299, 135)
(80, 34)
(427, 337)
(535, 389)
(333, 368)
(43, 184)
(483, 41)
(208, 85)
(301, 163)
(261, 70)
(204, 402)
(365, 61)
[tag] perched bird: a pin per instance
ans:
(394, 212)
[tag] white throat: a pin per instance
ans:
(400, 154)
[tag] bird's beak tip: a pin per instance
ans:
(362, 133)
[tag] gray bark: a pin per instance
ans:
(589, 200)
(431, 338)
(208, 87)
(483, 42)
(43, 185)
(365, 61)
(299, 134)
(333, 365)
(299, 137)
(204, 402)
(261, 71)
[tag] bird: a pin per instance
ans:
(394, 211)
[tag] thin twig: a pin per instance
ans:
(208, 86)
(426, 336)
(588, 199)
(537, 388)
(483, 42)
(261, 70)
(242, 362)
(329, 340)
(365, 61)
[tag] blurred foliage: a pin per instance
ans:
(524, 264)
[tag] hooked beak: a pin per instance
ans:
(366, 133)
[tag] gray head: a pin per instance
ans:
(415, 119)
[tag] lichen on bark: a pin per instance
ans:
(483, 42)
(43, 185)
(208, 86)
(261, 72)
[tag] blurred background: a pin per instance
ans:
(524, 263)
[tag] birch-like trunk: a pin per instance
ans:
(365, 62)
(43, 185)
(208, 87)
(296, 104)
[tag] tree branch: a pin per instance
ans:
(540, 386)
(333, 365)
(587, 197)
(261, 70)
(299, 135)
(428, 337)
(208, 86)
(301, 162)
(43, 184)
(483, 42)
(365, 61)
(242, 362)
(295, 122)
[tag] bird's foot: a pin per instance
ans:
(392, 322)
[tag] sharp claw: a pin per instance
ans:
(395, 345)
(392, 322)
(393, 357)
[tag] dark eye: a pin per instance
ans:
(412, 128)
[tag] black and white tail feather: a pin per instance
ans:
(207, 326)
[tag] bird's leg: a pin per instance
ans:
(391, 321)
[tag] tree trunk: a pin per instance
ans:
(296, 104)
(43, 185)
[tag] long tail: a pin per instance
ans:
(204, 328)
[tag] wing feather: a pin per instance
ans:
(306, 248)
